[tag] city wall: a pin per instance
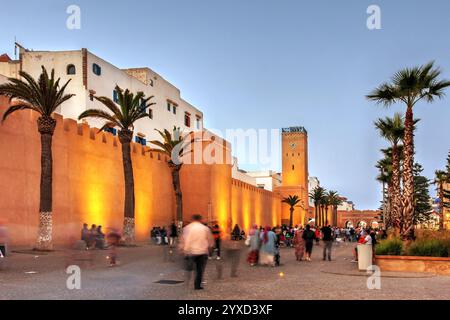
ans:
(88, 184)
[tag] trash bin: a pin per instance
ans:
(364, 256)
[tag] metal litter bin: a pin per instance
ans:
(364, 256)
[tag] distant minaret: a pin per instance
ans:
(294, 148)
(295, 156)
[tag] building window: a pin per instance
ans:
(293, 167)
(115, 96)
(71, 69)
(141, 140)
(198, 122)
(96, 69)
(187, 119)
(91, 97)
(172, 106)
(113, 131)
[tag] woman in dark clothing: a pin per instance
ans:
(100, 238)
(309, 236)
(236, 233)
(173, 234)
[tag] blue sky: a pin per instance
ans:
(269, 64)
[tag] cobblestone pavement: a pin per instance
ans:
(27, 275)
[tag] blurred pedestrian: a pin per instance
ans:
(309, 236)
(236, 234)
(195, 243)
(299, 244)
(254, 240)
(216, 232)
(173, 234)
(85, 233)
(327, 238)
(113, 239)
(99, 238)
(267, 250)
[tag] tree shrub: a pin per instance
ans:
(389, 247)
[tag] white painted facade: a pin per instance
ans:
(346, 206)
(313, 182)
(267, 179)
(241, 175)
(85, 82)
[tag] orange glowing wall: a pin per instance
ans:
(87, 181)
(88, 184)
(206, 186)
(252, 205)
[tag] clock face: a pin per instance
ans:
(293, 145)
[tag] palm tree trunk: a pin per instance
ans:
(389, 220)
(335, 222)
(321, 215)
(327, 219)
(407, 223)
(177, 188)
(396, 205)
(291, 217)
(125, 137)
(46, 127)
(441, 206)
(316, 215)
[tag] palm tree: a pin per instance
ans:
(292, 201)
(173, 146)
(129, 109)
(410, 86)
(325, 207)
(385, 177)
(441, 177)
(393, 130)
(334, 201)
(42, 96)
(317, 195)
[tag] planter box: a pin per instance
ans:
(414, 264)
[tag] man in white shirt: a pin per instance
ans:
(195, 243)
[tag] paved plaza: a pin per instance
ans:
(27, 275)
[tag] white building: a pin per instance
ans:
(313, 182)
(267, 179)
(90, 75)
(240, 174)
(346, 205)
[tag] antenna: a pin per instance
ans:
(15, 48)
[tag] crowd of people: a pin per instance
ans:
(200, 242)
(163, 236)
(93, 237)
(265, 243)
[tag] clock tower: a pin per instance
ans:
(294, 150)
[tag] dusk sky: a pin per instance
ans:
(269, 64)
